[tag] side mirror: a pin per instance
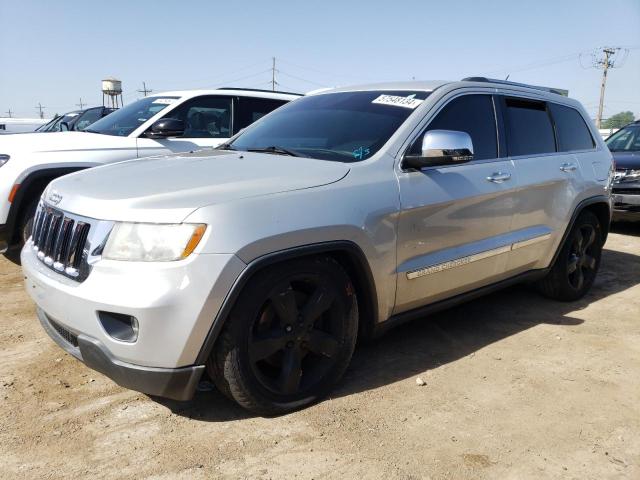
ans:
(64, 127)
(166, 127)
(441, 147)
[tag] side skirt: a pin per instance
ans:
(432, 308)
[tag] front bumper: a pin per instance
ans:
(175, 383)
(624, 201)
(174, 303)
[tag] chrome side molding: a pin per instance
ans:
(458, 262)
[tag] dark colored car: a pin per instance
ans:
(77, 120)
(625, 147)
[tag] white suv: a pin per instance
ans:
(170, 122)
(340, 214)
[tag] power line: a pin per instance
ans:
(302, 79)
(536, 64)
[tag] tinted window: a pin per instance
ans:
(87, 118)
(572, 132)
(344, 126)
(472, 114)
(529, 128)
(205, 117)
(625, 140)
(251, 109)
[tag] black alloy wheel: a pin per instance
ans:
(289, 338)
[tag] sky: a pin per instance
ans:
(56, 52)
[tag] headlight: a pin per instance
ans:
(633, 173)
(148, 242)
(4, 159)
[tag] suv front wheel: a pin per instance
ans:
(576, 266)
(289, 337)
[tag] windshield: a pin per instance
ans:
(125, 120)
(625, 140)
(346, 127)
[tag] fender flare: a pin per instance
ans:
(365, 279)
(604, 200)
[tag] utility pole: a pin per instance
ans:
(605, 63)
(80, 104)
(145, 90)
(41, 110)
(9, 113)
(605, 58)
(273, 75)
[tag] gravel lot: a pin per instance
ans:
(516, 387)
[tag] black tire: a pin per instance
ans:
(577, 264)
(25, 225)
(289, 338)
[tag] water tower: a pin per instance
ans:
(112, 89)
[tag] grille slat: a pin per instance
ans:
(60, 242)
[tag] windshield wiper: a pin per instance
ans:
(90, 131)
(276, 150)
(225, 146)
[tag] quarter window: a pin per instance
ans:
(205, 117)
(473, 114)
(572, 131)
(529, 128)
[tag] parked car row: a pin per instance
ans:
(334, 217)
(77, 120)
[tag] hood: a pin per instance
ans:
(625, 160)
(37, 142)
(168, 189)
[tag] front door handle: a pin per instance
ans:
(499, 177)
(568, 167)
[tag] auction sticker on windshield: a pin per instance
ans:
(397, 101)
(165, 101)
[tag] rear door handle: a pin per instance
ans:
(499, 177)
(568, 167)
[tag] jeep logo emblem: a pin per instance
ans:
(55, 198)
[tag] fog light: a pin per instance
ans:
(119, 326)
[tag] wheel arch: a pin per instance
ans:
(600, 206)
(32, 187)
(348, 254)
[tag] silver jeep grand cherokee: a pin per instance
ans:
(334, 217)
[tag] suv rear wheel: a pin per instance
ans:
(289, 338)
(576, 266)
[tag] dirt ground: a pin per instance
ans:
(517, 387)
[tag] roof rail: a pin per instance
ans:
(558, 91)
(261, 90)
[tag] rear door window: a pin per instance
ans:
(529, 128)
(572, 131)
(251, 109)
(473, 114)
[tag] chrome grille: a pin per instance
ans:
(60, 242)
